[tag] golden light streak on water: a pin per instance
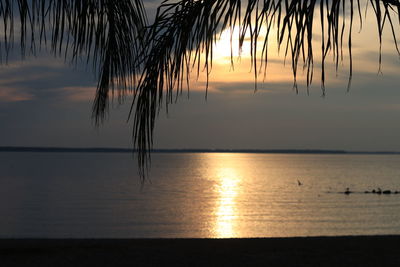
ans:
(226, 206)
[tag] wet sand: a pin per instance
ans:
(310, 251)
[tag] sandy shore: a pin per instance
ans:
(312, 251)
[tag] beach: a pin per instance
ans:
(297, 251)
(57, 211)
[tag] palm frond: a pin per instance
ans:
(113, 36)
(108, 34)
(181, 41)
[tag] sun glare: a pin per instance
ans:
(226, 51)
(227, 45)
(226, 207)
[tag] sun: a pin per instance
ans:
(227, 45)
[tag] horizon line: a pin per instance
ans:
(50, 149)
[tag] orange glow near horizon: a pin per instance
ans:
(234, 65)
(226, 51)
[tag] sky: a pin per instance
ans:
(47, 102)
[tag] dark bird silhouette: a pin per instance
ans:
(299, 183)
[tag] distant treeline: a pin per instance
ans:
(127, 150)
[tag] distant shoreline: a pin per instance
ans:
(127, 150)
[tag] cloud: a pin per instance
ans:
(45, 78)
(10, 94)
(79, 93)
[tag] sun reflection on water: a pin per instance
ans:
(226, 207)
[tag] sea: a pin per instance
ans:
(197, 195)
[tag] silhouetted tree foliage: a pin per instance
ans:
(154, 61)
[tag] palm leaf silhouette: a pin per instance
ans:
(182, 37)
(108, 34)
(113, 36)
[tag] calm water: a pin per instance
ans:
(197, 195)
